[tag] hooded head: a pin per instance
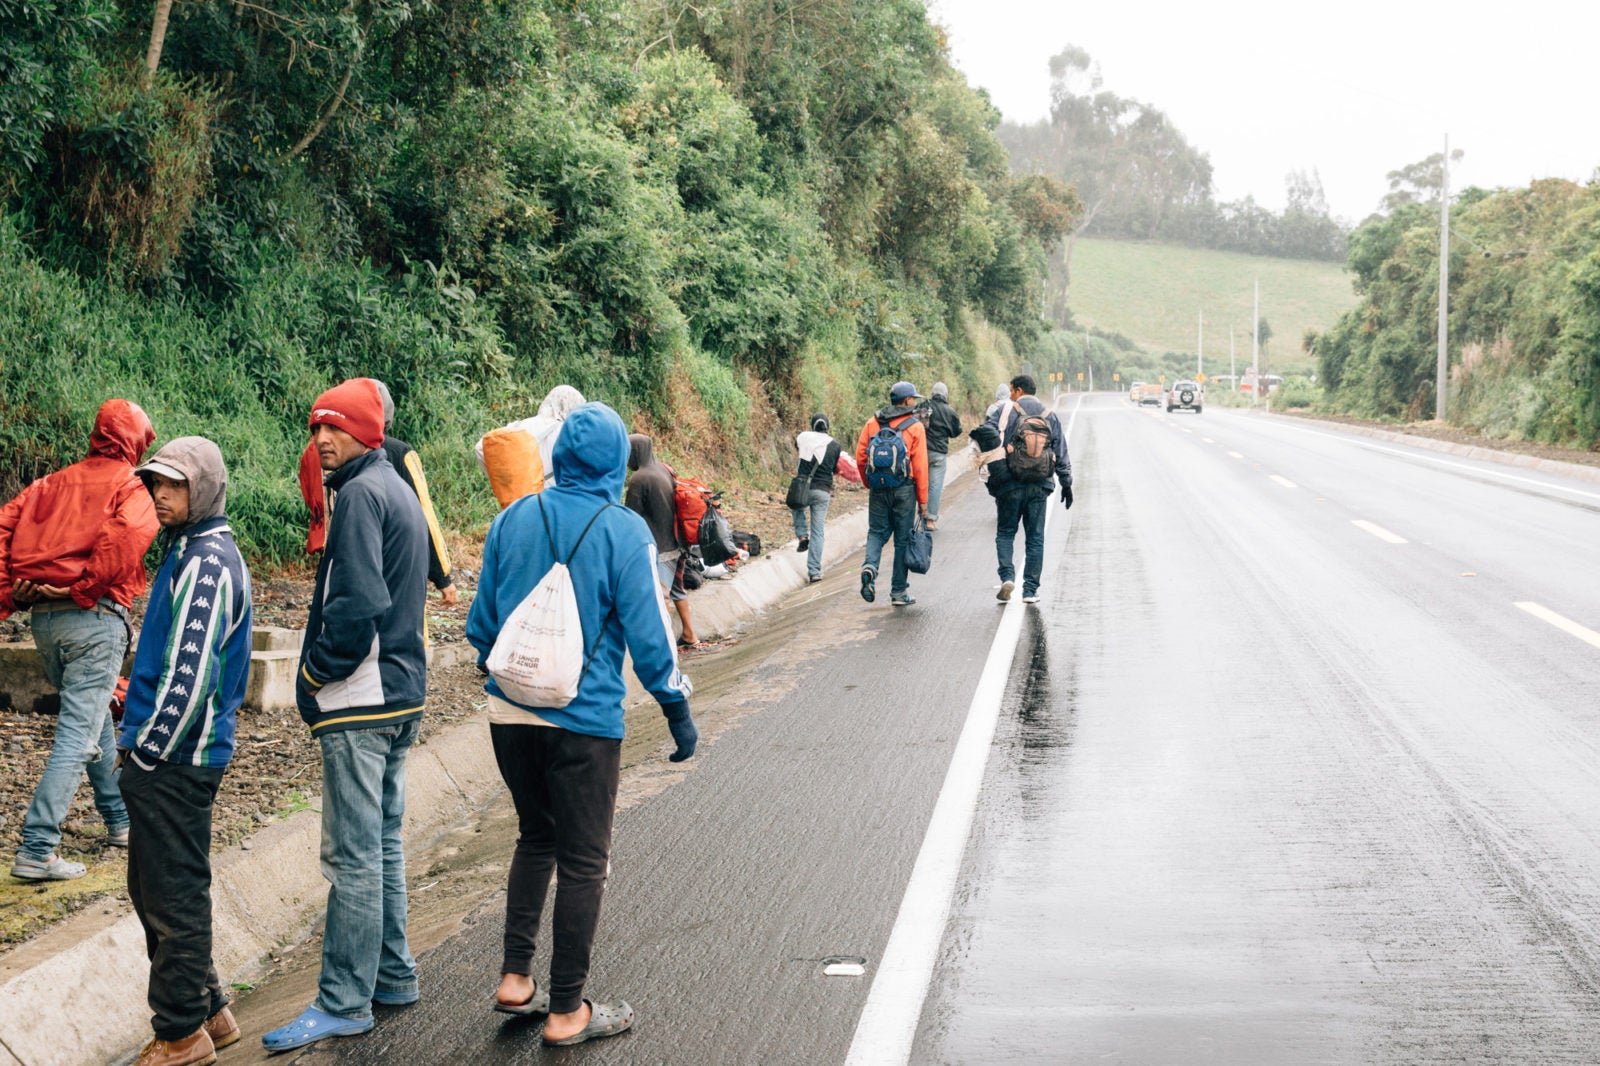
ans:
(199, 462)
(354, 406)
(561, 402)
(941, 391)
(641, 451)
(121, 431)
(388, 403)
(591, 455)
(819, 423)
(1002, 392)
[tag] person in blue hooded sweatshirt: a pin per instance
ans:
(561, 765)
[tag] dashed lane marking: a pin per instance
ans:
(1378, 531)
(1285, 482)
(1235, 455)
(1566, 625)
(1208, 440)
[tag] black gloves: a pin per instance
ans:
(684, 734)
(1066, 495)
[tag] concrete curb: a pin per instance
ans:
(75, 995)
(1581, 471)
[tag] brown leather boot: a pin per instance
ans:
(195, 1049)
(222, 1029)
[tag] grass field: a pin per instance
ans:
(1154, 293)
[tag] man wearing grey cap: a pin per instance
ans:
(184, 694)
(892, 453)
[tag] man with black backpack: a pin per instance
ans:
(892, 453)
(1035, 460)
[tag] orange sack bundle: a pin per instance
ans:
(511, 456)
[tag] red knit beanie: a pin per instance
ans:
(354, 406)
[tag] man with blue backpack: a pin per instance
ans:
(892, 453)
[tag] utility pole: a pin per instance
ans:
(1200, 348)
(1233, 371)
(1255, 347)
(1444, 282)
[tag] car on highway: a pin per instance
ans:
(1135, 391)
(1185, 396)
(1150, 395)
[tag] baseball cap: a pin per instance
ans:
(903, 390)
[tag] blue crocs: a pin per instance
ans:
(311, 1026)
(396, 999)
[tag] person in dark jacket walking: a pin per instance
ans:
(1024, 501)
(942, 423)
(362, 681)
(177, 738)
(652, 495)
(892, 509)
(561, 764)
(72, 550)
(819, 461)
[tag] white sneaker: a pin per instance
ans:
(1031, 599)
(1005, 590)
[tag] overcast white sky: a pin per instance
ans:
(1354, 88)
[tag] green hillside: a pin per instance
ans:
(1153, 293)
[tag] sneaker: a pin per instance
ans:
(1031, 597)
(117, 838)
(930, 523)
(1006, 588)
(814, 578)
(805, 543)
(55, 868)
(395, 999)
(903, 600)
(868, 581)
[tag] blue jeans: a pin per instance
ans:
(815, 530)
(82, 653)
(891, 512)
(1025, 505)
(363, 800)
(936, 463)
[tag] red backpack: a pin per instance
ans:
(692, 497)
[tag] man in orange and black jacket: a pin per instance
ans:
(898, 493)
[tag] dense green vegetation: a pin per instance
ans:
(715, 218)
(1524, 320)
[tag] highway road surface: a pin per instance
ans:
(1297, 761)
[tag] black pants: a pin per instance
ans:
(169, 882)
(564, 785)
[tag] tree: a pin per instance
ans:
(1417, 183)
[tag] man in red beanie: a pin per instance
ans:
(72, 550)
(363, 677)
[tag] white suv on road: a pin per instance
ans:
(1185, 395)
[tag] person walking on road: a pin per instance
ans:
(892, 453)
(72, 550)
(561, 764)
(819, 461)
(361, 686)
(652, 495)
(942, 423)
(177, 737)
(1036, 459)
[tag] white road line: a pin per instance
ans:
(1377, 531)
(1208, 440)
(1423, 458)
(1285, 482)
(1235, 455)
(1566, 625)
(888, 1024)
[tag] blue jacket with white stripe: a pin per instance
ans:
(193, 661)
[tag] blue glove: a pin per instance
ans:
(683, 731)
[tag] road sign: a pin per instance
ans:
(1116, 377)
(1201, 378)
(1080, 375)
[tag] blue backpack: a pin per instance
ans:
(888, 461)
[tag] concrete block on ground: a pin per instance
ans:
(275, 638)
(271, 683)
(22, 683)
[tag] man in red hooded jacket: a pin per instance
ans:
(72, 550)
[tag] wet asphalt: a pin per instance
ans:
(1266, 788)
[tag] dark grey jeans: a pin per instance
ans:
(169, 883)
(564, 786)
